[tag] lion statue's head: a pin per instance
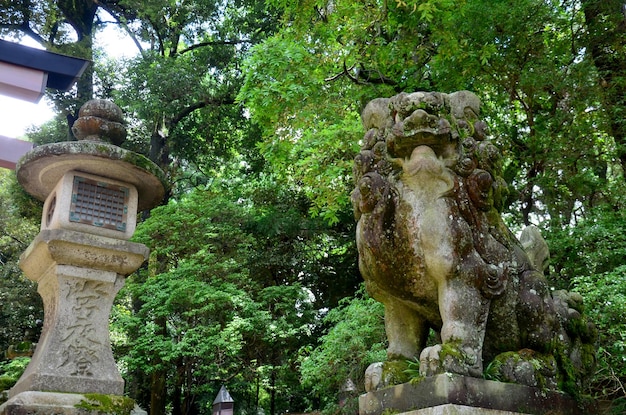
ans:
(448, 124)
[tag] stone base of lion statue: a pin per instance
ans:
(449, 394)
(435, 251)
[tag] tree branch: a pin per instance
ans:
(374, 76)
(122, 23)
(363, 76)
(200, 104)
(14, 238)
(345, 71)
(214, 42)
(25, 29)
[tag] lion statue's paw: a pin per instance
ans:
(429, 361)
(380, 375)
(450, 358)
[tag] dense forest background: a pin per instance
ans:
(252, 110)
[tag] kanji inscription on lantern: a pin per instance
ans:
(99, 204)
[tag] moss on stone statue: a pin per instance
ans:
(541, 368)
(452, 348)
(452, 355)
(145, 164)
(110, 404)
(580, 327)
(390, 411)
(395, 372)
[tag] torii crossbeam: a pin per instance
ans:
(25, 73)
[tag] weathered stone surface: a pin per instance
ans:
(74, 350)
(451, 409)
(40, 169)
(536, 247)
(52, 403)
(78, 277)
(43, 403)
(100, 119)
(92, 204)
(79, 259)
(434, 250)
(63, 247)
(466, 395)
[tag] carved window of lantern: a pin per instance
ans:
(99, 204)
(51, 207)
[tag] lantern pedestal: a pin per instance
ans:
(78, 277)
(449, 393)
(52, 403)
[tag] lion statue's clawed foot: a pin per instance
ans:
(450, 358)
(379, 375)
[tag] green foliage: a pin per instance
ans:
(259, 154)
(318, 72)
(21, 310)
(109, 404)
(225, 296)
(355, 339)
(605, 296)
(397, 371)
(589, 259)
(53, 131)
(193, 307)
(594, 247)
(20, 304)
(307, 85)
(10, 372)
(179, 93)
(307, 144)
(413, 370)
(526, 60)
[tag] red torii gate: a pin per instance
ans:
(25, 73)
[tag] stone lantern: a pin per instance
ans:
(92, 191)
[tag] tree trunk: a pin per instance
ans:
(177, 394)
(258, 390)
(158, 387)
(606, 42)
(273, 392)
(80, 15)
(157, 393)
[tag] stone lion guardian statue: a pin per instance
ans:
(434, 250)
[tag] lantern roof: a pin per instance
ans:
(223, 396)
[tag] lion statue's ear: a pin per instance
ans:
(536, 248)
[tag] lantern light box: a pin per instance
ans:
(92, 204)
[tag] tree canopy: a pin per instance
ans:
(252, 108)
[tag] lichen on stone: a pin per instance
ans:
(107, 404)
